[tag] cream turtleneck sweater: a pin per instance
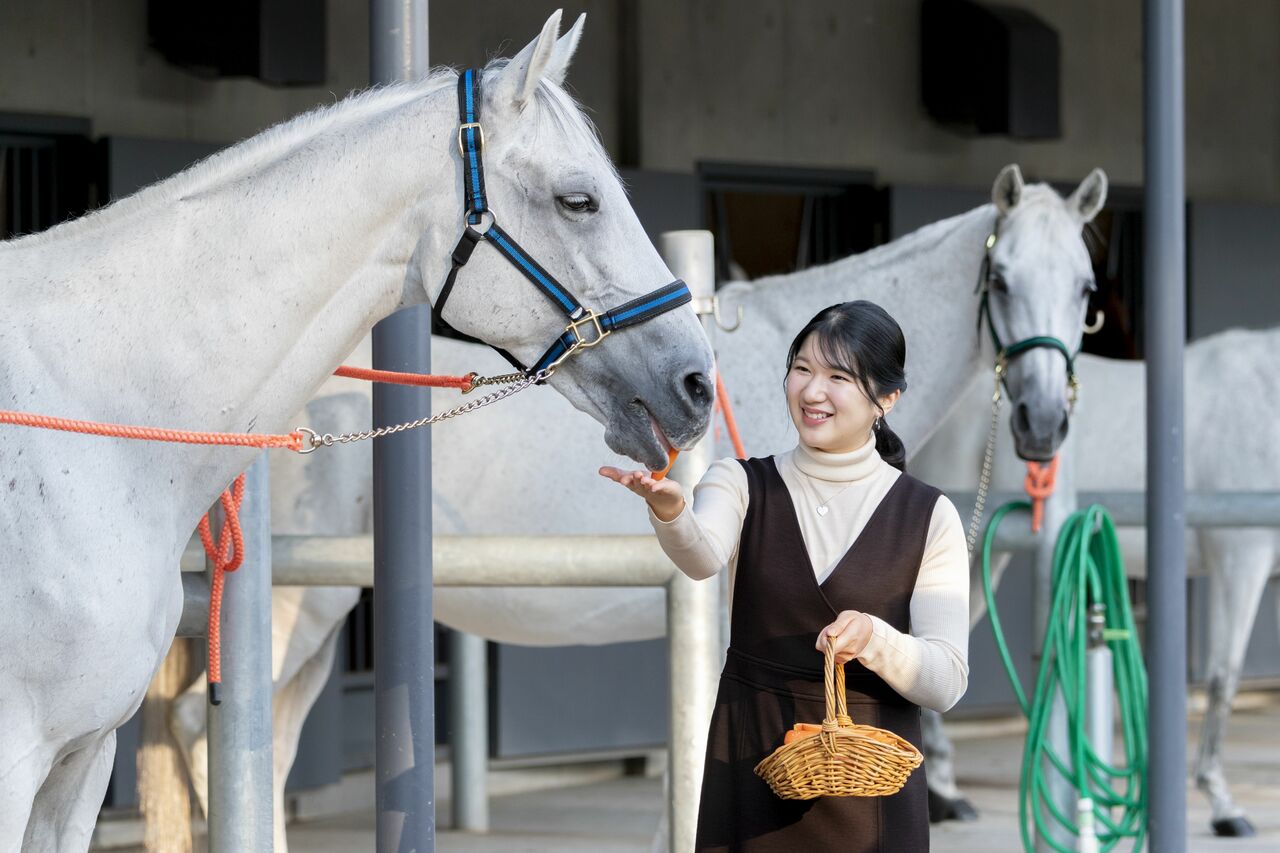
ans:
(928, 666)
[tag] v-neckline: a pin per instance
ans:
(798, 532)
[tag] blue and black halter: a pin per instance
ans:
(586, 328)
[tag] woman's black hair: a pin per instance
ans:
(861, 339)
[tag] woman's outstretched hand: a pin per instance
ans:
(849, 635)
(664, 497)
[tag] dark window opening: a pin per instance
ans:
(769, 220)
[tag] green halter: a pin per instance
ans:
(1005, 353)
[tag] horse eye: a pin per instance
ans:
(578, 202)
(1089, 287)
(997, 283)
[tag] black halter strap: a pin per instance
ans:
(586, 328)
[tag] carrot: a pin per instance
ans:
(671, 460)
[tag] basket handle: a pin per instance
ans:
(833, 681)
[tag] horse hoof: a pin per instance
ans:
(945, 808)
(1233, 827)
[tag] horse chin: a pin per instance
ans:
(635, 433)
(1033, 449)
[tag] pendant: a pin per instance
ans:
(822, 509)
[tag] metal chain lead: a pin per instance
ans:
(317, 440)
(503, 379)
(984, 481)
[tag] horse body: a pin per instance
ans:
(1232, 400)
(98, 526)
(220, 300)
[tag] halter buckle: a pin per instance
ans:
(479, 132)
(579, 341)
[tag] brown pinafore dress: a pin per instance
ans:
(773, 676)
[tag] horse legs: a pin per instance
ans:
(66, 808)
(188, 720)
(1238, 573)
(946, 802)
(20, 778)
(291, 704)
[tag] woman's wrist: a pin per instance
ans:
(667, 511)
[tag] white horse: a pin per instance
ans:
(1232, 406)
(926, 282)
(220, 300)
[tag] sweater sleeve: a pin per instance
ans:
(703, 538)
(930, 665)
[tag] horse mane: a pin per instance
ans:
(552, 104)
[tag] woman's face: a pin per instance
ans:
(828, 406)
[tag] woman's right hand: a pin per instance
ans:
(664, 497)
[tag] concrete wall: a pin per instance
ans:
(822, 82)
(831, 82)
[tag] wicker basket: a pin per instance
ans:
(838, 758)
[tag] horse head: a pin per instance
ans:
(1038, 278)
(549, 182)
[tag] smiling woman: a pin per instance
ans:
(831, 540)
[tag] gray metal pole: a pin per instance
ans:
(1164, 320)
(240, 763)
(404, 649)
(693, 620)
(469, 731)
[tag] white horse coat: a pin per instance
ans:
(1232, 444)
(220, 300)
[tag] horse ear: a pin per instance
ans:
(1090, 196)
(1007, 190)
(562, 54)
(519, 78)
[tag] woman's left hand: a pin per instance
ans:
(849, 634)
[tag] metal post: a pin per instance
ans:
(1057, 507)
(469, 731)
(404, 649)
(240, 762)
(1164, 320)
(693, 622)
(1100, 722)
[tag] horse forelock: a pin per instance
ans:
(556, 110)
(1043, 217)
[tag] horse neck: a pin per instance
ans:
(225, 309)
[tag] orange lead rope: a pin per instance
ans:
(226, 556)
(1039, 486)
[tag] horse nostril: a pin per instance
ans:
(1023, 420)
(698, 387)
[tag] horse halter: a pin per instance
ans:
(1005, 353)
(586, 327)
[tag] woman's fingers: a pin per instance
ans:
(835, 629)
(639, 482)
(846, 635)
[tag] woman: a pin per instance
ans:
(832, 540)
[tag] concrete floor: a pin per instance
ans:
(619, 814)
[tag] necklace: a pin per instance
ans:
(821, 508)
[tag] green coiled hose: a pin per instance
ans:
(1087, 571)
